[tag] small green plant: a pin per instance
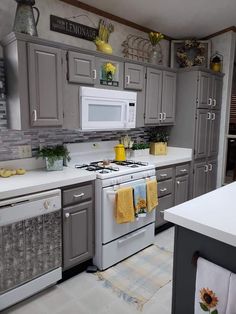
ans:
(159, 135)
(137, 146)
(53, 153)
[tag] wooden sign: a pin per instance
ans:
(64, 26)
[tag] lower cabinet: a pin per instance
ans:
(164, 202)
(78, 229)
(181, 189)
(204, 177)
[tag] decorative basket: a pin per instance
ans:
(57, 165)
(159, 148)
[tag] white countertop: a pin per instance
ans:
(41, 180)
(212, 214)
(175, 155)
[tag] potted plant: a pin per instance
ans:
(54, 156)
(159, 138)
(139, 150)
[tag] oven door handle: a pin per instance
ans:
(134, 235)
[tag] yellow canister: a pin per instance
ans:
(120, 152)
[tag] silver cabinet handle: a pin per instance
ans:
(164, 116)
(78, 195)
(183, 170)
(127, 79)
(161, 116)
(210, 167)
(94, 74)
(210, 101)
(163, 190)
(178, 182)
(163, 175)
(35, 118)
(213, 116)
(208, 116)
(67, 215)
(214, 102)
(206, 168)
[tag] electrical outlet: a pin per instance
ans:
(25, 151)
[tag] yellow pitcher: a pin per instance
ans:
(120, 152)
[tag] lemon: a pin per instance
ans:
(20, 171)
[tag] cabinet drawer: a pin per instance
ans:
(163, 174)
(182, 170)
(77, 195)
(165, 187)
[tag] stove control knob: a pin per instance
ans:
(46, 204)
(113, 182)
(119, 180)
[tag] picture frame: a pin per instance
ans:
(175, 44)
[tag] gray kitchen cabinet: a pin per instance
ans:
(78, 224)
(197, 123)
(181, 189)
(160, 97)
(45, 85)
(164, 203)
(168, 97)
(133, 76)
(153, 96)
(204, 90)
(81, 68)
(212, 175)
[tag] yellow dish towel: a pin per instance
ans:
(124, 205)
(152, 199)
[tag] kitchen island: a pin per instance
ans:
(205, 225)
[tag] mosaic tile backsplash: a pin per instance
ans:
(10, 140)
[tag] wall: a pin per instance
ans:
(225, 45)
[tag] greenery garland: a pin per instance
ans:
(183, 57)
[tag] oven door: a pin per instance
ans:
(103, 113)
(110, 229)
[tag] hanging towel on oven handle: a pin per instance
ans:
(124, 211)
(152, 198)
(140, 198)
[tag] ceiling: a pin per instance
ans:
(175, 18)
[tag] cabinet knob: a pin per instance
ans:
(163, 190)
(213, 116)
(210, 101)
(178, 182)
(161, 116)
(164, 116)
(209, 116)
(67, 215)
(78, 195)
(210, 167)
(206, 168)
(94, 74)
(35, 118)
(214, 102)
(127, 79)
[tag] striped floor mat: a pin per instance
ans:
(139, 277)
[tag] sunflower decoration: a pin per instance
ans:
(209, 300)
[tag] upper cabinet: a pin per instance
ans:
(81, 68)
(45, 85)
(134, 76)
(160, 97)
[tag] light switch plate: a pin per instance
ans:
(25, 151)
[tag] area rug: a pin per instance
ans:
(139, 277)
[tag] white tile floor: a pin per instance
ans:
(84, 294)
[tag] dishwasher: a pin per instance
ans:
(30, 245)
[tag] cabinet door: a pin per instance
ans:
(78, 233)
(200, 178)
(217, 83)
(201, 135)
(168, 97)
(117, 79)
(164, 203)
(214, 131)
(153, 96)
(212, 175)
(45, 85)
(204, 90)
(181, 189)
(81, 68)
(134, 76)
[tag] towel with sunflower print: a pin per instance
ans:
(210, 296)
(140, 200)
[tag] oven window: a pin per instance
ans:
(104, 113)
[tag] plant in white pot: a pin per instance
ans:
(159, 138)
(54, 156)
(139, 150)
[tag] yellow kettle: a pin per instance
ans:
(120, 152)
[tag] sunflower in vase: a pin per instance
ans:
(109, 70)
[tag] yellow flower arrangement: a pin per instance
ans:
(109, 67)
(155, 37)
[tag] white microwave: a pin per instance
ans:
(106, 109)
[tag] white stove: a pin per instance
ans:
(113, 242)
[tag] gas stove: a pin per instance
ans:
(85, 156)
